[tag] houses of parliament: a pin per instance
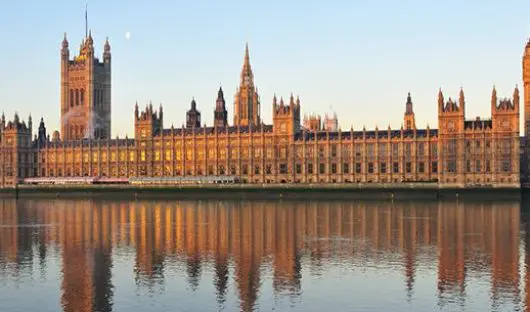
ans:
(460, 153)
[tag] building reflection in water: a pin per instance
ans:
(240, 241)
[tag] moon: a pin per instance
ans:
(127, 35)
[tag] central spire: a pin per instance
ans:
(247, 57)
(247, 78)
(246, 102)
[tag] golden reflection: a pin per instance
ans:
(456, 239)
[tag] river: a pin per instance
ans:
(105, 255)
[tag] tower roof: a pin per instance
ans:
(65, 42)
(246, 72)
(408, 105)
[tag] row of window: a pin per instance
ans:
(283, 169)
(77, 97)
(479, 166)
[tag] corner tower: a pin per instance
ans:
(85, 92)
(246, 102)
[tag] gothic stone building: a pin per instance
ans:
(460, 153)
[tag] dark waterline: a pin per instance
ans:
(104, 255)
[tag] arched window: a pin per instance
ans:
(82, 96)
(76, 97)
(71, 98)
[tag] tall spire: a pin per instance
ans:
(86, 19)
(247, 56)
(246, 102)
(246, 73)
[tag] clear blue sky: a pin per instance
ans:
(359, 58)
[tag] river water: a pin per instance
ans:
(104, 255)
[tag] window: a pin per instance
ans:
(468, 165)
(382, 168)
(370, 149)
(370, 167)
(322, 168)
(477, 165)
(357, 167)
(395, 167)
(210, 170)
(256, 169)
(310, 168)
(283, 168)
(321, 152)
(382, 150)
(268, 169)
(298, 168)
(408, 150)
(434, 167)
(357, 150)
(451, 166)
(333, 150)
(245, 169)
(408, 167)
(233, 170)
(488, 166)
(434, 149)
(421, 167)
(395, 150)
(221, 170)
(421, 149)
(506, 165)
(333, 168)
(346, 168)
(283, 152)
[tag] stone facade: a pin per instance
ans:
(461, 153)
(85, 92)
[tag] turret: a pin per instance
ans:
(89, 43)
(193, 116)
(65, 52)
(462, 100)
(410, 122)
(441, 101)
(41, 138)
(148, 123)
(516, 98)
(493, 99)
(220, 113)
(286, 118)
(106, 52)
(30, 125)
